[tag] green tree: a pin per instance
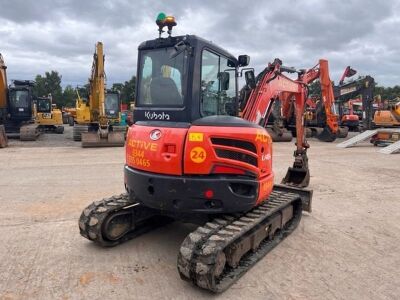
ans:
(128, 90)
(69, 96)
(314, 89)
(50, 83)
(117, 87)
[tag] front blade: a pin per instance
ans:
(93, 140)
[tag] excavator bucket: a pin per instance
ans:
(299, 174)
(299, 177)
(3, 137)
(326, 135)
(93, 140)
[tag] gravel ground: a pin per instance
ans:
(347, 248)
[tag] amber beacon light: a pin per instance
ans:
(164, 20)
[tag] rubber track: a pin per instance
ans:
(198, 252)
(93, 217)
(77, 132)
(29, 132)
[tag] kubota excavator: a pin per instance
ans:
(323, 123)
(190, 157)
(16, 108)
(95, 122)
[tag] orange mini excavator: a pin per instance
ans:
(189, 157)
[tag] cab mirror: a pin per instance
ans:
(224, 80)
(243, 60)
(178, 49)
(250, 79)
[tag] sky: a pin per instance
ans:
(44, 35)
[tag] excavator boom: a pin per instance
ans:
(330, 118)
(101, 135)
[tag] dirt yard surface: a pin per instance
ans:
(347, 248)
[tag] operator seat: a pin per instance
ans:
(164, 91)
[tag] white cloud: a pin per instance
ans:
(44, 35)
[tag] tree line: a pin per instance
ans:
(50, 83)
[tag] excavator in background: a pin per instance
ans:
(190, 157)
(69, 114)
(97, 119)
(362, 88)
(387, 118)
(321, 119)
(350, 117)
(17, 108)
(48, 116)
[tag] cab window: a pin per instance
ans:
(161, 78)
(218, 88)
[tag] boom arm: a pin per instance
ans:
(321, 71)
(275, 86)
(96, 96)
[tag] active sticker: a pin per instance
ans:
(198, 155)
(195, 137)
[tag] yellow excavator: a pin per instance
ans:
(48, 116)
(97, 118)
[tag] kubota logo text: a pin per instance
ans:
(156, 116)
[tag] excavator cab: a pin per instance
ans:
(184, 78)
(20, 100)
(43, 105)
(112, 104)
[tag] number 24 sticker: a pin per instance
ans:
(198, 155)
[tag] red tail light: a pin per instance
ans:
(170, 148)
(228, 170)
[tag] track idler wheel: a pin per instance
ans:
(116, 226)
(326, 135)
